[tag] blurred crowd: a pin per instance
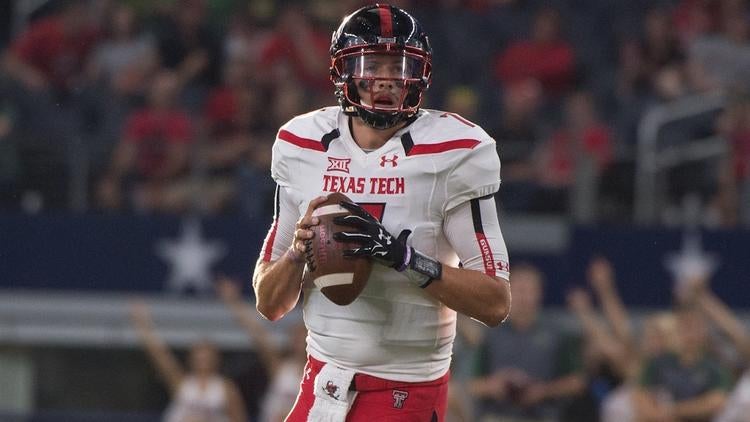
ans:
(597, 361)
(171, 105)
(685, 363)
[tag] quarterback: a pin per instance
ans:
(423, 181)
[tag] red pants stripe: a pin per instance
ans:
(379, 399)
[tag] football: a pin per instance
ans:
(340, 279)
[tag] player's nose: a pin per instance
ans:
(385, 83)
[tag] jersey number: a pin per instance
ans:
(459, 118)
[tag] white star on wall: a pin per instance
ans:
(690, 265)
(190, 258)
(691, 260)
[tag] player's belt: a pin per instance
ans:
(364, 382)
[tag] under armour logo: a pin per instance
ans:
(331, 389)
(307, 372)
(392, 161)
(399, 397)
(503, 266)
(382, 236)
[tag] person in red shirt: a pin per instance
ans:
(152, 157)
(297, 47)
(545, 57)
(51, 52)
(234, 117)
(43, 81)
(583, 141)
(732, 197)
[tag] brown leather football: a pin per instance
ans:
(340, 279)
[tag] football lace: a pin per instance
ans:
(309, 257)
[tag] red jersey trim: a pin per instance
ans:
(443, 146)
(268, 245)
(305, 143)
(484, 246)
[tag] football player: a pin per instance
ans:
(424, 181)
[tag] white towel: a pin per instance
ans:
(332, 395)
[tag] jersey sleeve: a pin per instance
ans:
(473, 230)
(473, 176)
(281, 233)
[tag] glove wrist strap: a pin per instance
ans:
(421, 269)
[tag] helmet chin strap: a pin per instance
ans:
(379, 120)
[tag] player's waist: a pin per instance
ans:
(394, 363)
(365, 382)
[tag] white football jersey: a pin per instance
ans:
(428, 170)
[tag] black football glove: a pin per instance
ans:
(376, 242)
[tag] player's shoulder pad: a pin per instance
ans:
(468, 155)
(436, 126)
(445, 137)
(311, 130)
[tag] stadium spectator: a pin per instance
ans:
(188, 47)
(651, 68)
(576, 153)
(663, 56)
(235, 122)
(149, 163)
(50, 54)
(546, 56)
(686, 385)
(721, 316)
(616, 382)
(608, 350)
(199, 393)
(694, 18)
(527, 364)
(43, 65)
(732, 200)
(597, 347)
(518, 133)
(297, 51)
(464, 100)
(720, 60)
(289, 101)
(659, 43)
(118, 72)
(125, 56)
(284, 365)
(244, 37)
